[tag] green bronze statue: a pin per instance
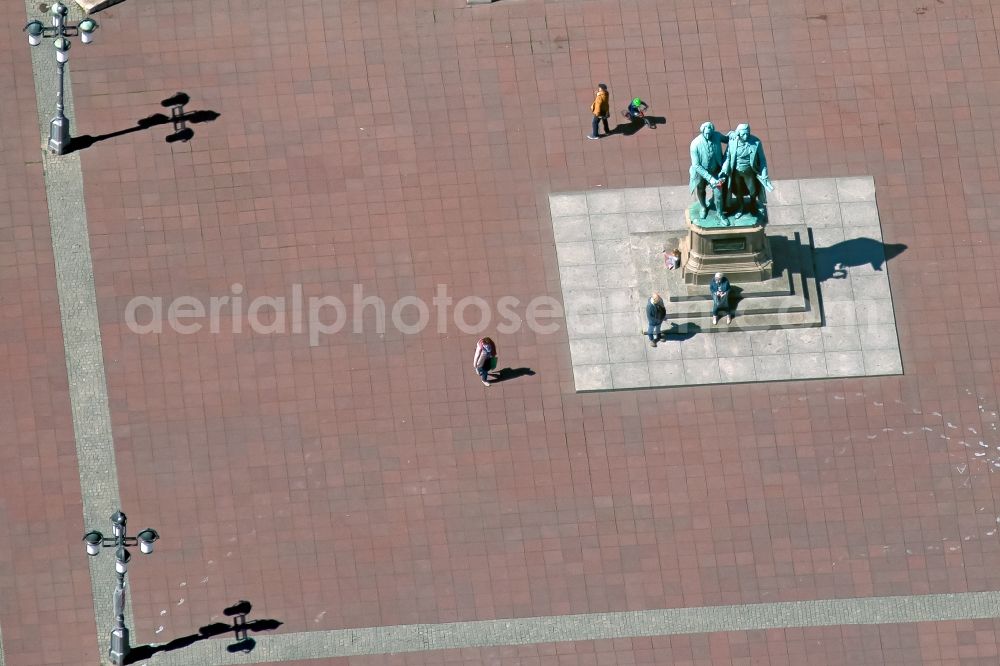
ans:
(706, 164)
(745, 171)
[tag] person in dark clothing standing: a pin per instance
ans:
(656, 313)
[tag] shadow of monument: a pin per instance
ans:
(833, 261)
(240, 628)
(782, 251)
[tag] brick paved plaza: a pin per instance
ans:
(363, 488)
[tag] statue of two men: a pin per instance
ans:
(740, 174)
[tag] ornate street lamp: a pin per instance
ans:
(60, 32)
(95, 542)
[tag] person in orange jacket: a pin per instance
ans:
(601, 110)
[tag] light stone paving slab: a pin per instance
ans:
(589, 627)
(571, 229)
(610, 276)
(806, 365)
(619, 324)
(875, 311)
(737, 369)
(834, 290)
(586, 326)
(671, 371)
(839, 313)
(645, 222)
(826, 237)
(734, 344)
(702, 370)
(641, 199)
(882, 362)
(565, 205)
(616, 300)
(786, 215)
(576, 254)
(592, 377)
(674, 220)
(856, 189)
(607, 227)
(612, 251)
(629, 349)
(877, 336)
(675, 198)
(859, 214)
(607, 201)
(590, 351)
(700, 346)
(818, 190)
(772, 368)
(804, 340)
(666, 350)
(768, 343)
(584, 302)
(822, 215)
(871, 286)
(578, 277)
(630, 375)
(841, 338)
(862, 233)
(789, 194)
(845, 364)
(603, 268)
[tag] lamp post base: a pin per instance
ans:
(59, 135)
(119, 646)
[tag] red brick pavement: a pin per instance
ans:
(45, 602)
(398, 145)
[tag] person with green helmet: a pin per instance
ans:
(636, 109)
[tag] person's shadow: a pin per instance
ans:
(511, 373)
(632, 126)
(834, 261)
(684, 331)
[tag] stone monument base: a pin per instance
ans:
(740, 250)
(94, 6)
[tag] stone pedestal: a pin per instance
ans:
(94, 6)
(740, 250)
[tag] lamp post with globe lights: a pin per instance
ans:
(60, 31)
(95, 542)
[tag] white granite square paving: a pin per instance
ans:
(605, 312)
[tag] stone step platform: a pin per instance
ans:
(781, 284)
(790, 300)
(763, 297)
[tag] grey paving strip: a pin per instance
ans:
(88, 390)
(592, 626)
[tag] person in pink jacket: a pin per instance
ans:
(486, 351)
